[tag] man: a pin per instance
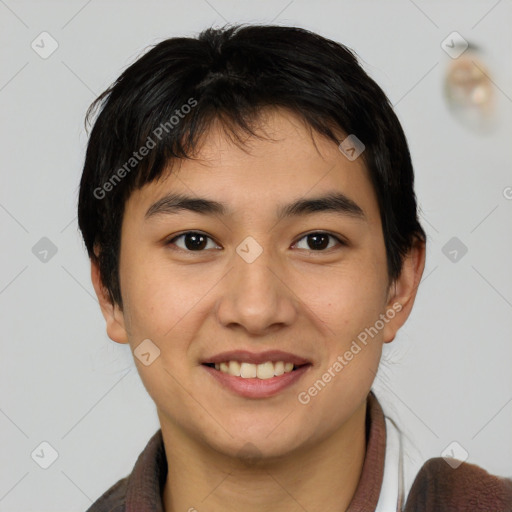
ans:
(247, 203)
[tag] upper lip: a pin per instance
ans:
(245, 356)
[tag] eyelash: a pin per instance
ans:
(172, 241)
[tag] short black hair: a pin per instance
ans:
(168, 98)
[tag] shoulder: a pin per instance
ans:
(439, 487)
(112, 500)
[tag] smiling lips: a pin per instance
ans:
(256, 375)
(262, 371)
(250, 365)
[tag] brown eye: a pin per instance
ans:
(192, 241)
(319, 241)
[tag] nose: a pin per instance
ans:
(256, 296)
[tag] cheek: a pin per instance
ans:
(153, 296)
(165, 302)
(158, 306)
(348, 299)
(350, 309)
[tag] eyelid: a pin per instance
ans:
(171, 240)
(341, 241)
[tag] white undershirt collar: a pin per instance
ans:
(392, 491)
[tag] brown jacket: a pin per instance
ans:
(437, 486)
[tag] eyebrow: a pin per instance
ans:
(332, 202)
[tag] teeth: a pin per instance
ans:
(278, 368)
(248, 370)
(262, 371)
(234, 368)
(265, 370)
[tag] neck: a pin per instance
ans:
(322, 477)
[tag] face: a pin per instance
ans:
(267, 283)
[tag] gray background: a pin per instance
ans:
(447, 375)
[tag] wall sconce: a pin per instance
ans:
(469, 91)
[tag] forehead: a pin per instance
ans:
(288, 162)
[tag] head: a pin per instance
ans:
(292, 244)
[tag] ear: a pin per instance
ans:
(112, 313)
(402, 291)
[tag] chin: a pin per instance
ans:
(260, 442)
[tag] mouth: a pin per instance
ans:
(262, 371)
(254, 375)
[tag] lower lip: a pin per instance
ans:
(257, 388)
